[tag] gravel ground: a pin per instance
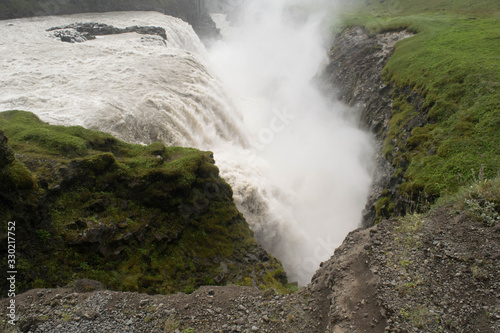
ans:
(209, 309)
(436, 273)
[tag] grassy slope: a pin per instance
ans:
(453, 65)
(160, 225)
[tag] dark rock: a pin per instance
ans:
(357, 59)
(82, 32)
(193, 12)
(30, 324)
(77, 225)
(90, 314)
(98, 233)
(6, 154)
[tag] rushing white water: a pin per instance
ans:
(317, 174)
(129, 85)
(295, 165)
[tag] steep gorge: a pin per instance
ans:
(435, 272)
(357, 60)
(434, 123)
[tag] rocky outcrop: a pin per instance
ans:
(357, 60)
(151, 218)
(81, 32)
(432, 273)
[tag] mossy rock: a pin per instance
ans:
(154, 219)
(384, 208)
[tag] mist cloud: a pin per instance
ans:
(314, 163)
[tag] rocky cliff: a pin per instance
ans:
(433, 120)
(357, 60)
(416, 273)
(436, 271)
(151, 218)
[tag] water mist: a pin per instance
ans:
(312, 162)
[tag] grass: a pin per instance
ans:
(454, 65)
(447, 74)
(400, 8)
(411, 223)
(481, 200)
(151, 218)
(170, 325)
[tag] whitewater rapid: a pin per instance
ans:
(299, 200)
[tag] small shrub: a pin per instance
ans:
(84, 266)
(479, 273)
(410, 223)
(405, 263)
(483, 210)
(188, 290)
(66, 316)
(170, 325)
(44, 235)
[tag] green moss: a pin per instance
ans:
(151, 218)
(15, 177)
(451, 66)
(277, 281)
(36, 136)
(384, 207)
(98, 163)
(460, 64)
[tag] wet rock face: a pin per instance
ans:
(356, 63)
(82, 32)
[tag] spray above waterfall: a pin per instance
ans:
(296, 165)
(315, 159)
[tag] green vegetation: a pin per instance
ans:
(446, 117)
(277, 281)
(151, 218)
(171, 324)
(419, 316)
(481, 200)
(410, 223)
(393, 8)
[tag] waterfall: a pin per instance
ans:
(295, 164)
